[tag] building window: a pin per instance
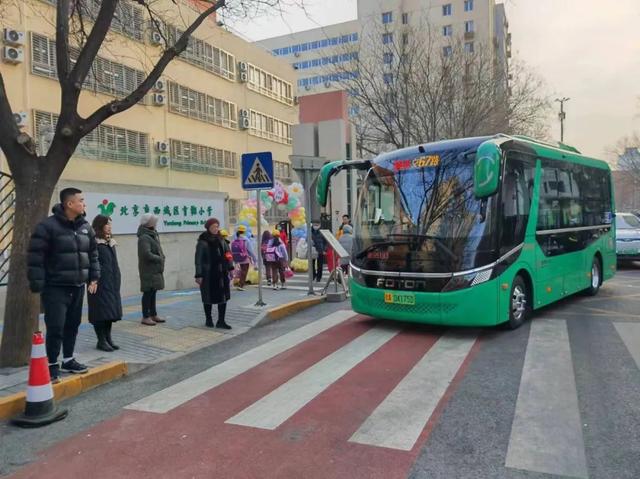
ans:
(405, 39)
(387, 17)
(447, 10)
(282, 171)
(266, 126)
(105, 143)
(447, 30)
(105, 76)
(387, 38)
(468, 26)
(468, 5)
(270, 85)
(204, 55)
(203, 159)
(447, 51)
(469, 47)
(200, 106)
(405, 18)
(387, 78)
(387, 58)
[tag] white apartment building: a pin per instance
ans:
(479, 23)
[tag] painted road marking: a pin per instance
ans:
(173, 396)
(546, 435)
(399, 420)
(278, 406)
(630, 334)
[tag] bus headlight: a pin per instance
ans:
(467, 280)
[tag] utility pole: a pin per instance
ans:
(562, 115)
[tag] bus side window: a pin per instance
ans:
(516, 200)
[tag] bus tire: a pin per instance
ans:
(519, 303)
(596, 277)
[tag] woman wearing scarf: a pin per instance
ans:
(213, 263)
(105, 305)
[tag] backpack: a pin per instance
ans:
(239, 250)
(270, 254)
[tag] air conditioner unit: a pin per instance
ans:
(242, 66)
(243, 113)
(327, 84)
(160, 85)
(156, 38)
(21, 118)
(163, 161)
(296, 100)
(244, 78)
(307, 87)
(12, 55)
(13, 37)
(162, 146)
(296, 54)
(244, 123)
(159, 99)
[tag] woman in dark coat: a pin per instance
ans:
(150, 267)
(105, 305)
(213, 264)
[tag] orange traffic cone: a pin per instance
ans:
(40, 409)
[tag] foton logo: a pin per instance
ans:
(408, 284)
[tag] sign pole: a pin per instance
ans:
(307, 184)
(259, 248)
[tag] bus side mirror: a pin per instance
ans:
(486, 171)
(330, 169)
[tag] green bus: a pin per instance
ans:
(477, 231)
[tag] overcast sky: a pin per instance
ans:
(588, 50)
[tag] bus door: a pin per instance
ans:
(549, 277)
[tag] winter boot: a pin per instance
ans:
(102, 345)
(108, 336)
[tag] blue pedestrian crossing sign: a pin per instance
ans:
(257, 171)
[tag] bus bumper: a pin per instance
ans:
(475, 306)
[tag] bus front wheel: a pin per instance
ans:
(519, 303)
(596, 277)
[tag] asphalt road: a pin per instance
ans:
(325, 394)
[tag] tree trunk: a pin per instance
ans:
(33, 196)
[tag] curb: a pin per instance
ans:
(68, 387)
(287, 309)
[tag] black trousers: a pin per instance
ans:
(62, 316)
(318, 263)
(149, 303)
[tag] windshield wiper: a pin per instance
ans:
(361, 254)
(437, 241)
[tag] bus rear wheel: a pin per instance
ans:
(519, 303)
(596, 277)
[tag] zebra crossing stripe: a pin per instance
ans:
(275, 408)
(167, 399)
(630, 334)
(546, 434)
(399, 420)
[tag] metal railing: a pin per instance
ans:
(7, 215)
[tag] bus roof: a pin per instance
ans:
(560, 152)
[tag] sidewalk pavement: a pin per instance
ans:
(183, 332)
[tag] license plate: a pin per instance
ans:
(400, 298)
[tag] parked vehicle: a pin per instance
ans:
(627, 237)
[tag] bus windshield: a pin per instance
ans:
(420, 215)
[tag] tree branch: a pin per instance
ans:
(62, 42)
(90, 50)
(10, 133)
(117, 106)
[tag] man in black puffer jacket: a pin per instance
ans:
(63, 258)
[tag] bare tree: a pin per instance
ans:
(626, 155)
(411, 87)
(82, 28)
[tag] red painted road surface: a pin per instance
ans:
(193, 440)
